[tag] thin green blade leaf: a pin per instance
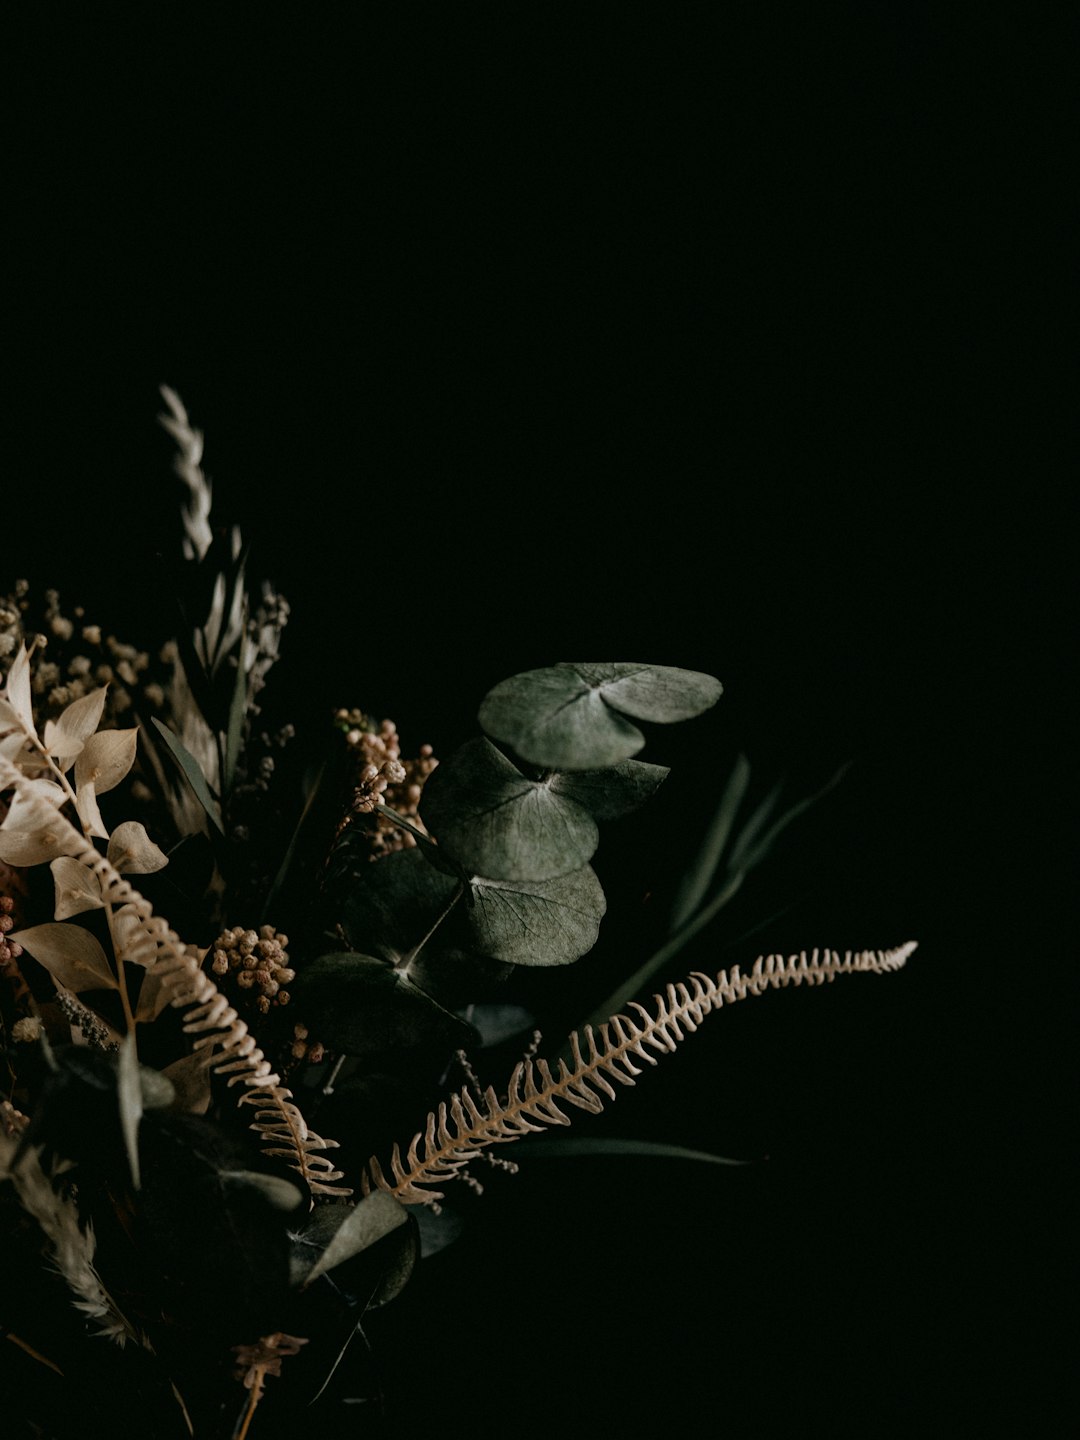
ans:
(192, 774)
(699, 877)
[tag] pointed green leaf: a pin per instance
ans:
(344, 1231)
(585, 1145)
(189, 768)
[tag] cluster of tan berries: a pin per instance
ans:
(384, 776)
(9, 949)
(257, 961)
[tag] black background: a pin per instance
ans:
(725, 337)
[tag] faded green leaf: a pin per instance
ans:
(345, 1231)
(549, 923)
(574, 716)
(189, 768)
(281, 1194)
(70, 954)
(613, 791)
(129, 1096)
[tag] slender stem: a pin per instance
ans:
(256, 1396)
(29, 1350)
(403, 824)
(407, 959)
(121, 978)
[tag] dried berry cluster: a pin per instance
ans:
(257, 962)
(384, 776)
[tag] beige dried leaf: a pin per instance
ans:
(17, 690)
(106, 758)
(77, 888)
(130, 939)
(71, 955)
(66, 737)
(191, 1080)
(87, 806)
(132, 851)
(24, 838)
(154, 997)
(11, 746)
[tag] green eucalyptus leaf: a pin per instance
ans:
(551, 922)
(574, 716)
(494, 821)
(189, 768)
(363, 1006)
(279, 1193)
(393, 903)
(337, 1233)
(613, 791)
(571, 1147)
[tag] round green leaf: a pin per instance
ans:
(495, 822)
(525, 923)
(573, 716)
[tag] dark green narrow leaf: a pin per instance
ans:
(192, 774)
(573, 1146)
(237, 711)
(699, 877)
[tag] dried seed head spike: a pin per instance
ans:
(438, 1155)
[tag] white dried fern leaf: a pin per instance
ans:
(229, 1047)
(461, 1127)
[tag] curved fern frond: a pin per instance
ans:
(462, 1126)
(228, 1045)
(283, 1133)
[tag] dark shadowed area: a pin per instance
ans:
(712, 337)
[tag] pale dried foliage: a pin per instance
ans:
(35, 831)
(459, 1130)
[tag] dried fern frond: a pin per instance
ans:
(283, 1133)
(458, 1131)
(188, 467)
(229, 1047)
